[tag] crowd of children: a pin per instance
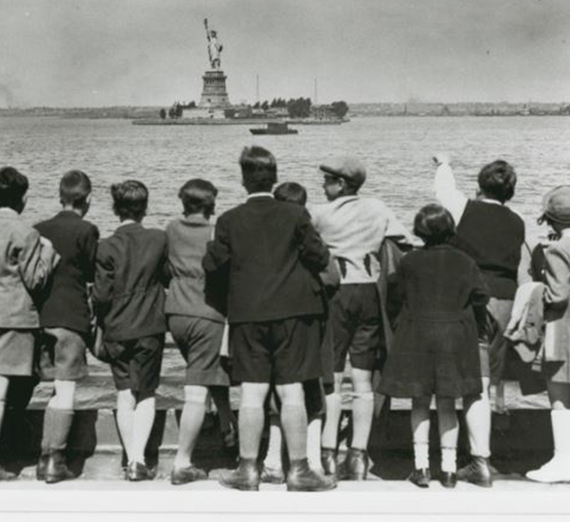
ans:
(286, 293)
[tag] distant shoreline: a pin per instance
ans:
(356, 110)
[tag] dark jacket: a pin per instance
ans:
(25, 267)
(268, 250)
(187, 241)
(130, 274)
(75, 240)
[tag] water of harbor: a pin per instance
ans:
(397, 152)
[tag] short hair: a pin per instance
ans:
(130, 199)
(497, 180)
(291, 192)
(74, 188)
(198, 196)
(258, 169)
(13, 187)
(434, 224)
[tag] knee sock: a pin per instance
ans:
(191, 422)
(143, 420)
(449, 459)
(362, 413)
(329, 437)
(250, 428)
(60, 426)
(478, 419)
(273, 457)
(421, 455)
(294, 422)
(314, 443)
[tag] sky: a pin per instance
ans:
(69, 53)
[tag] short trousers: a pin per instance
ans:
(18, 351)
(136, 363)
(357, 326)
(283, 351)
(199, 341)
(63, 355)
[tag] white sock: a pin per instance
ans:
(421, 455)
(273, 457)
(314, 444)
(449, 460)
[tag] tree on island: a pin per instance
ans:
(340, 108)
(162, 114)
(299, 108)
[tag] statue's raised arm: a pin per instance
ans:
(214, 47)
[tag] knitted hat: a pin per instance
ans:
(347, 167)
(556, 205)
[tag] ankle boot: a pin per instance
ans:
(302, 478)
(56, 469)
(245, 477)
(329, 461)
(355, 467)
(556, 469)
(477, 472)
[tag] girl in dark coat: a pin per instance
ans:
(436, 345)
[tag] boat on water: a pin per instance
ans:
(275, 128)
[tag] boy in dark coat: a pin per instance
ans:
(128, 296)
(269, 250)
(26, 263)
(65, 317)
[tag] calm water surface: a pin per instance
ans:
(396, 151)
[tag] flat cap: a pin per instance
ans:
(347, 167)
(556, 205)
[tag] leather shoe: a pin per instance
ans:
(7, 475)
(302, 478)
(329, 461)
(420, 477)
(56, 468)
(137, 471)
(42, 466)
(245, 477)
(355, 466)
(272, 475)
(477, 472)
(185, 475)
(448, 479)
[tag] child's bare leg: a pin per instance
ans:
(63, 396)
(329, 437)
(478, 419)
(126, 403)
(420, 429)
(191, 420)
(143, 420)
(448, 433)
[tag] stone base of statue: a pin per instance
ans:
(214, 92)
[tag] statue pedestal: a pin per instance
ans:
(214, 92)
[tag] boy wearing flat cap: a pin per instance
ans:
(556, 363)
(269, 251)
(353, 227)
(494, 236)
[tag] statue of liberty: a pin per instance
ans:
(214, 47)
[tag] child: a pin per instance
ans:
(26, 263)
(196, 327)
(435, 349)
(292, 192)
(556, 363)
(128, 297)
(65, 317)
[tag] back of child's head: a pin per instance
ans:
(497, 180)
(130, 199)
(13, 188)
(198, 196)
(434, 224)
(291, 192)
(258, 169)
(74, 189)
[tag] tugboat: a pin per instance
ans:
(275, 128)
